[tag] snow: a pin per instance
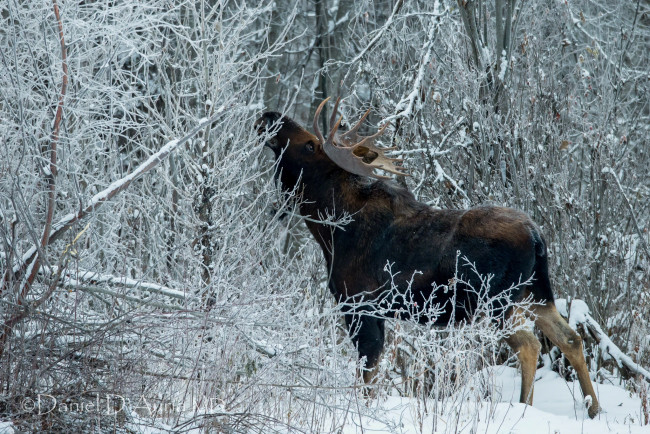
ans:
(578, 314)
(557, 408)
(503, 67)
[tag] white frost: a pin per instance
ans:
(503, 67)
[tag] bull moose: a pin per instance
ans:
(336, 176)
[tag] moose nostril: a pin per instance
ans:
(260, 125)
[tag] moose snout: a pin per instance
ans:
(265, 123)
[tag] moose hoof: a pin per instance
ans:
(593, 410)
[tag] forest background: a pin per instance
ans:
(146, 252)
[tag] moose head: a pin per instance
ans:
(300, 153)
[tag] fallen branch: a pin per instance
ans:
(579, 317)
(73, 280)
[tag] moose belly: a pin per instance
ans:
(455, 288)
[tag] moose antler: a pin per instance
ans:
(354, 153)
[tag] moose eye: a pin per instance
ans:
(309, 147)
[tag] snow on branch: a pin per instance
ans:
(82, 277)
(579, 316)
(60, 227)
(441, 175)
(405, 106)
(380, 32)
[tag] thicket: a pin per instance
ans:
(146, 253)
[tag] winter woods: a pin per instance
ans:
(150, 265)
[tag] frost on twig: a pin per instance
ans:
(437, 358)
(63, 224)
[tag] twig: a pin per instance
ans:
(379, 34)
(51, 201)
(642, 240)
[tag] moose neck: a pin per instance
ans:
(333, 194)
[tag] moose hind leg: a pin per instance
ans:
(367, 333)
(527, 347)
(561, 334)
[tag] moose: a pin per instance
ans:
(336, 175)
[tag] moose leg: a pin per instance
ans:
(527, 347)
(561, 334)
(367, 333)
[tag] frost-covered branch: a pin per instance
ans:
(598, 42)
(50, 173)
(379, 33)
(72, 279)
(61, 226)
(642, 238)
(441, 175)
(404, 108)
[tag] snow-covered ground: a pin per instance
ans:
(557, 409)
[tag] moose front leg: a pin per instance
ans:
(527, 347)
(367, 333)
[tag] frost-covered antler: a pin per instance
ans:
(354, 153)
